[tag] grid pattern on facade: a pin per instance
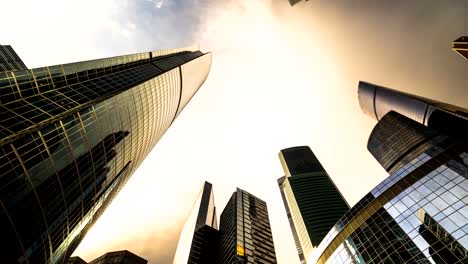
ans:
(296, 224)
(310, 197)
(433, 181)
(404, 135)
(71, 136)
(376, 101)
(245, 231)
(407, 238)
(9, 60)
(228, 232)
(319, 202)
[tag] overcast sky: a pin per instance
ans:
(281, 76)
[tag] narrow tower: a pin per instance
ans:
(199, 236)
(245, 232)
(313, 203)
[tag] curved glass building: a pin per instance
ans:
(376, 101)
(419, 214)
(70, 137)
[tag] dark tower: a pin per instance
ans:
(245, 232)
(460, 46)
(9, 60)
(244, 235)
(293, 2)
(313, 203)
(199, 236)
(71, 136)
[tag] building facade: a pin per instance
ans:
(9, 60)
(199, 236)
(245, 232)
(115, 257)
(376, 101)
(119, 257)
(460, 46)
(293, 2)
(313, 203)
(419, 213)
(71, 136)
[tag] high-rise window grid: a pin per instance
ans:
(70, 137)
(387, 226)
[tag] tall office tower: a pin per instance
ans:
(245, 233)
(116, 257)
(70, 137)
(293, 2)
(419, 213)
(119, 257)
(376, 101)
(313, 203)
(460, 46)
(76, 260)
(9, 60)
(199, 236)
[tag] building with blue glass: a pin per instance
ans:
(71, 136)
(419, 214)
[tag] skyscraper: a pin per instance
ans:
(71, 135)
(119, 257)
(376, 101)
(313, 203)
(9, 60)
(115, 257)
(418, 214)
(199, 236)
(244, 235)
(245, 232)
(293, 2)
(460, 46)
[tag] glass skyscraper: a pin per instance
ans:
(199, 236)
(376, 101)
(115, 257)
(313, 203)
(9, 60)
(460, 46)
(293, 2)
(71, 135)
(419, 214)
(244, 234)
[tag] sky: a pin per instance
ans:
(281, 76)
